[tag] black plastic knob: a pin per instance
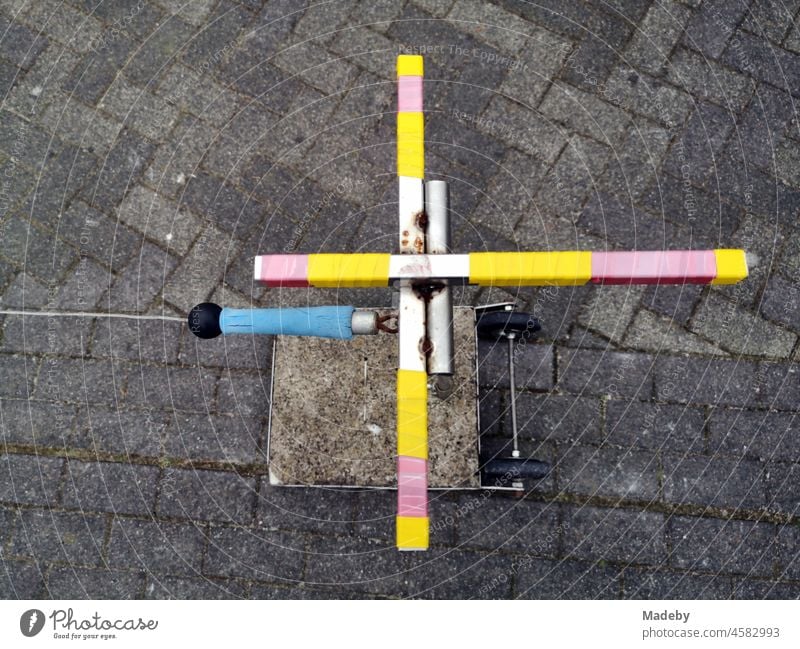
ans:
(204, 320)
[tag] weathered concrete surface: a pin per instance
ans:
(334, 413)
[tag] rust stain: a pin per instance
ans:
(425, 346)
(421, 220)
(426, 289)
(419, 245)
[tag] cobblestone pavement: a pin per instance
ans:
(150, 148)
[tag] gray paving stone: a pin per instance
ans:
(713, 382)
(718, 546)
(712, 26)
(183, 588)
(161, 47)
(76, 539)
(200, 269)
(139, 109)
(124, 165)
(84, 287)
(493, 522)
(522, 128)
(111, 487)
(141, 281)
(97, 71)
(64, 24)
(172, 388)
(648, 97)
(36, 251)
(80, 125)
(655, 426)
(708, 81)
(740, 331)
(16, 376)
(120, 432)
(755, 56)
(655, 334)
(206, 495)
(635, 162)
(30, 479)
(245, 395)
(79, 381)
(315, 66)
(222, 204)
(8, 517)
(20, 44)
(752, 589)
(787, 540)
(776, 386)
(770, 19)
(156, 547)
(693, 155)
(223, 439)
(662, 584)
(20, 580)
(37, 423)
(24, 290)
(620, 223)
(614, 535)
(610, 310)
(457, 574)
(677, 304)
(548, 417)
(590, 372)
(71, 583)
(652, 43)
(499, 28)
(608, 472)
(603, 36)
(582, 162)
(781, 302)
(783, 494)
(35, 334)
(219, 38)
(137, 340)
(244, 552)
(718, 482)
(754, 433)
(326, 511)
(566, 579)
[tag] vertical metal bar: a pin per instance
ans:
(440, 303)
(412, 391)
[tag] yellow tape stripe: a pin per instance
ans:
(412, 413)
(335, 270)
(410, 65)
(731, 266)
(567, 268)
(413, 533)
(411, 145)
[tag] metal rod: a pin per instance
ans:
(513, 390)
(440, 303)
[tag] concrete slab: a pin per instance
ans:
(334, 412)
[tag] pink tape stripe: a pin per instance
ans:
(284, 270)
(654, 267)
(412, 486)
(409, 94)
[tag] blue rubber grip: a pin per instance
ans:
(319, 321)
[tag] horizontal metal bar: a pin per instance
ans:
(505, 268)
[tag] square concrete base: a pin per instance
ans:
(334, 411)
